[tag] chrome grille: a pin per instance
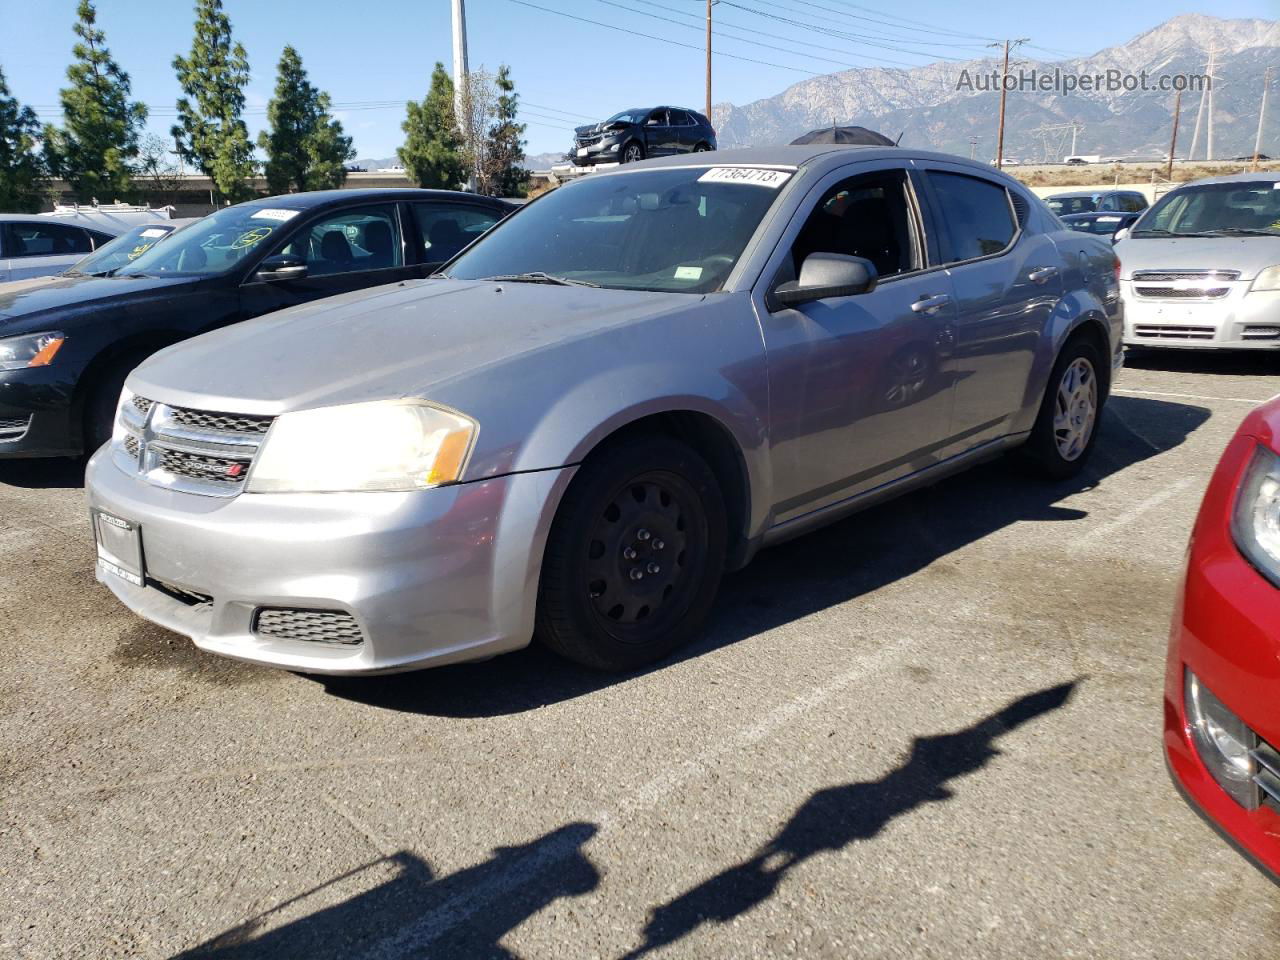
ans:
(588, 140)
(1167, 276)
(1153, 331)
(1267, 779)
(312, 626)
(1182, 293)
(12, 428)
(1183, 284)
(196, 451)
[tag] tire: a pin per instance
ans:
(634, 557)
(702, 148)
(1066, 429)
(632, 152)
(102, 400)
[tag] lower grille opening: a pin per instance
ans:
(1261, 333)
(1163, 332)
(11, 428)
(192, 598)
(311, 626)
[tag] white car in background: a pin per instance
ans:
(1201, 268)
(39, 244)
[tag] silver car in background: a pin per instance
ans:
(1201, 268)
(629, 386)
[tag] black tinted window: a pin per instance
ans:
(678, 118)
(977, 213)
(448, 227)
(864, 217)
(44, 240)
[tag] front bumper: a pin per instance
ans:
(43, 399)
(431, 577)
(1226, 631)
(1238, 321)
(606, 152)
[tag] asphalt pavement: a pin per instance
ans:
(932, 730)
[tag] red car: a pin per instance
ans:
(1222, 686)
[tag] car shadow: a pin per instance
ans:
(831, 566)
(48, 474)
(1241, 363)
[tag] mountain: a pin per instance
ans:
(925, 105)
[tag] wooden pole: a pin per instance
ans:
(1004, 83)
(1173, 143)
(1262, 113)
(708, 60)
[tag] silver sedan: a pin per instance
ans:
(624, 390)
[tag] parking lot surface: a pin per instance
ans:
(932, 730)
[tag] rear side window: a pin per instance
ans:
(448, 227)
(678, 118)
(977, 213)
(99, 238)
(44, 240)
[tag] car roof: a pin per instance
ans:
(1080, 193)
(1235, 178)
(315, 199)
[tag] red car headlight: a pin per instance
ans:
(1255, 521)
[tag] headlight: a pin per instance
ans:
(385, 445)
(1223, 742)
(118, 431)
(32, 350)
(1255, 521)
(1268, 279)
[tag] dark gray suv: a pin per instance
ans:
(641, 132)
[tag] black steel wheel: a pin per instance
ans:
(635, 555)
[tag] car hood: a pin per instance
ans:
(1249, 255)
(20, 299)
(397, 341)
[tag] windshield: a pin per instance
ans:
(1215, 209)
(1063, 206)
(213, 245)
(123, 249)
(628, 116)
(679, 230)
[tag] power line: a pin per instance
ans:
(843, 17)
(917, 24)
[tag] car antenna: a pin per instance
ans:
(899, 140)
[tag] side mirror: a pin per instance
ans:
(1120, 235)
(824, 275)
(281, 267)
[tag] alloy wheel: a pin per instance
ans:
(1075, 409)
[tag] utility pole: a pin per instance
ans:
(1074, 129)
(1262, 113)
(1004, 84)
(708, 60)
(1204, 94)
(1173, 143)
(973, 146)
(461, 100)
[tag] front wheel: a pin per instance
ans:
(633, 152)
(1066, 429)
(635, 555)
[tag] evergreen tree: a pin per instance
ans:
(95, 148)
(20, 166)
(432, 151)
(210, 131)
(506, 138)
(305, 147)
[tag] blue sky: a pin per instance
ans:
(368, 53)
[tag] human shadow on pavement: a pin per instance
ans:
(831, 566)
(462, 914)
(825, 568)
(833, 818)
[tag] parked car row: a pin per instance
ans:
(35, 245)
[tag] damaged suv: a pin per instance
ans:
(640, 133)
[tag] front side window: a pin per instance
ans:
(866, 216)
(349, 241)
(658, 118)
(448, 227)
(1064, 206)
(680, 230)
(1215, 209)
(977, 213)
(124, 249)
(220, 242)
(44, 240)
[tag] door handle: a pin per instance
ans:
(931, 304)
(1042, 274)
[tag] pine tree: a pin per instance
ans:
(432, 148)
(210, 131)
(21, 168)
(95, 148)
(306, 149)
(506, 138)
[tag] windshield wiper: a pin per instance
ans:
(1241, 232)
(1161, 232)
(537, 276)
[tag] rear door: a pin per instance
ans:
(683, 132)
(444, 228)
(348, 248)
(37, 248)
(1006, 283)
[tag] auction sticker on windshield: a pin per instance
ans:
(758, 176)
(273, 213)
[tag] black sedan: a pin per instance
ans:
(642, 132)
(66, 347)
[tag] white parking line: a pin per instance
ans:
(1187, 396)
(1126, 518)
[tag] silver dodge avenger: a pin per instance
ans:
(622, 391)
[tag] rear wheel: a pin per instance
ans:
(702, 148)
(1066, 428)
(635, 555)
(633, 152)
